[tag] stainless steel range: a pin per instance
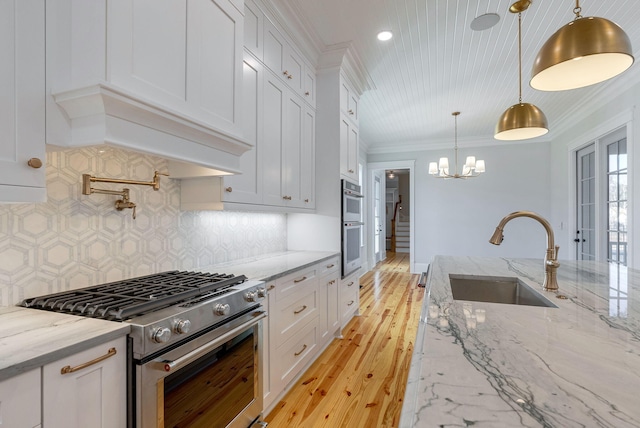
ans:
(188, 329)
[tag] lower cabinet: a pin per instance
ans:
(328, 283)
(349, 298)
(87, 389)
(19, 400)
(307, 309)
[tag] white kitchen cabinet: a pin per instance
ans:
(349, 297)
(348, 149)
(253, 29)
(328, 285)
(22, 101)
(289, 146)
(20, 400)
(156, 76)
(349, 101)
(246, 188)
(92, 390)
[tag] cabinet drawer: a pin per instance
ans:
(286, 286)
(349, 302)
(328, 266)
(296, 353)
(293, 314)
(348, 286)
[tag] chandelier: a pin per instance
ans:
(471, 168)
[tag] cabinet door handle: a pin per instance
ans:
(271, 287)
(350, 284)
(306, 201)
(301, 351)
(289, 75)
(330, 266)
(300, 310)
(351, 112)
(299, 280)
(68, 369)
(351, 303)
(34, 163)
(228, 189)
(286, 198)
(352, 171)
(307, 93)
(333, 281)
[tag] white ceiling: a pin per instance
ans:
(435, 64)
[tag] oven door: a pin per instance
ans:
(351, 206)
(351, 258)
(214, 380)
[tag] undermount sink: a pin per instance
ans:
(496, 289)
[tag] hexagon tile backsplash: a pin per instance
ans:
(75, 240)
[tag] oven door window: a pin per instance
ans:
(214, 389)
(353, 243)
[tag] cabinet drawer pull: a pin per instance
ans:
(330, 266)
(306, 201)
(301, 351)
(307, 93)
(228, 189)
(351, 303)
(350, 284)
(286, 73)
(333, 281)
(300, 310)
(286, 198)
(68, 369)
(352, 171)
(350, 111)
(295, 281)
(271, 287)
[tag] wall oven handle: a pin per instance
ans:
(189, 357)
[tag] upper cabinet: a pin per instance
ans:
(278, 173)
(22, 79)
(159, 77)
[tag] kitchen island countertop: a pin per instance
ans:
(500, 365)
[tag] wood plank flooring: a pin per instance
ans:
(359, 381)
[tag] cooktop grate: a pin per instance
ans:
(121, 300)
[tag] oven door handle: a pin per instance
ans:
(169, 366)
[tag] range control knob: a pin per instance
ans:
(221, 309)
(161, 335)
(250, 296)
(182, 326)
(262, 292)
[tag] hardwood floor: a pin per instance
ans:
(359, 381)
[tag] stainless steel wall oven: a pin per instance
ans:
(351, 227)
(194, 349)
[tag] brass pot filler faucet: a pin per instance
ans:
(124, 202)
(551, 257)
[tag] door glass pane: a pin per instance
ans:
(617, 194)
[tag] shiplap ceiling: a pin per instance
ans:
(436, 64)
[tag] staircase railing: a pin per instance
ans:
(396, 211)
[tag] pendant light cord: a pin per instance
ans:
(520, 57)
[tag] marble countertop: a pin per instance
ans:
(273, 266)
(498, 365)
(30, 338)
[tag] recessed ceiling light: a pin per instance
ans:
(484, 22)
(385, 35)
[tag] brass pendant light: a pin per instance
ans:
(583, 52)
(523, 120)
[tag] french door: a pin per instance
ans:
(586, 221)
(602, 199)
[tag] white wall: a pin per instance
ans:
(457, 217)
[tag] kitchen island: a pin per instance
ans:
(502, 365)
